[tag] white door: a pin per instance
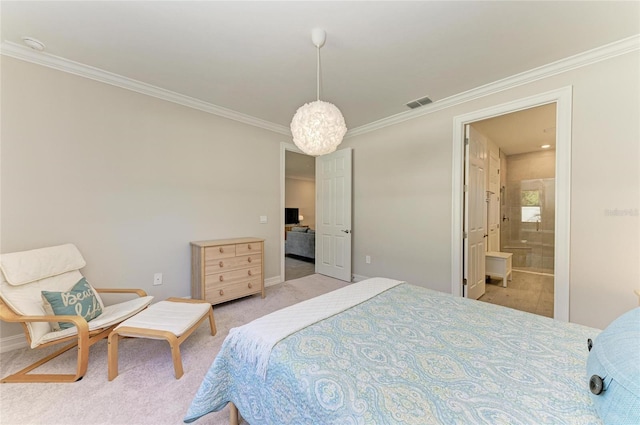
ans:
(493, 199)
(475, 210)
(333, 214)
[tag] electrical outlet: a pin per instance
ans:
(367, 259)
(157, 279)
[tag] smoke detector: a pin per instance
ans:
(33, 43)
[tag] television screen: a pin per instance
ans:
(291, 216)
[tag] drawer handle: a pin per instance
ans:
(250, 285)
(221, 292)
(221, 250)
(221, 264)
(249, 259)
(221, 278)
(249, 246)
(249, 272)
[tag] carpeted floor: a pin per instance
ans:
(145, 391)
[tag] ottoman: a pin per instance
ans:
(173, 319)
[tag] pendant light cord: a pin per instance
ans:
(318, 73)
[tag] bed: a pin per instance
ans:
(404, 355)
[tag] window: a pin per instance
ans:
(530, 201)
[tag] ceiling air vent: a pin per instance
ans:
(419, 102)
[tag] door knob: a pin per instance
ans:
(346, 231)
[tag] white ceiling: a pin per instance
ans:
(257, 58)
(522, 131)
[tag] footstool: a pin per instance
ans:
(173, 319)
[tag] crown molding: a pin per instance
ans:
(608, 51)
(589, 57)
(56, 62)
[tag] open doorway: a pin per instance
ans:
(563, 101)
(331, 216)
(520, 208)
(299, 217)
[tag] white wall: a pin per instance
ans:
(402, 190)
(128, 178)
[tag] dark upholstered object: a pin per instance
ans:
(301, 243)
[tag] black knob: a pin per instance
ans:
(596, 386)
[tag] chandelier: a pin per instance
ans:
(318, 127)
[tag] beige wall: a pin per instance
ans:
(301, 194)
(131, 180)
(128, 178)
(402, 191)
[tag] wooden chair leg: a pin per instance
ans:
(234, 417)
(175, 355)
(112, 355)
(212, 322)
(82, 344)
(22, 375)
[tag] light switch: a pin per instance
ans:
(263, 219)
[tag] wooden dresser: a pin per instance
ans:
(226, 269)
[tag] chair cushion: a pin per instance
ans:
(20, 268)
(170, 316)
(81, 300)
(26, 300)
(26, 274)
(111, 315)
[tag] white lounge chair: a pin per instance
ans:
(56, 269)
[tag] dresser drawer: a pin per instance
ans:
(233, 291)
(248, 248)
(232, 276)
(217, 252)
(227, 264)
(234, 266)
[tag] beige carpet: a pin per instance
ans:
(145, 391)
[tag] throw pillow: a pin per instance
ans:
(299, 229)
(81, 300)
(613, 370)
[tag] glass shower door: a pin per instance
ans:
(531, 225)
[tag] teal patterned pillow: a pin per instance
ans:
(81, 300)
(613, 370)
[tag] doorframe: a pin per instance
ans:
(562, 97)
(284, 147)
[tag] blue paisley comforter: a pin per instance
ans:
(413, 356)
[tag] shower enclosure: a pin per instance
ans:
(528, 224)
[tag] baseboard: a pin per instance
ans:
(358, 277)
(13, 342)
(273, 281)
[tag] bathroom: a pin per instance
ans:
(521, 215)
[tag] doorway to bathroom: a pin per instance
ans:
(462, 262)
(520, 203)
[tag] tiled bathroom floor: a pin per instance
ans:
(526, 292)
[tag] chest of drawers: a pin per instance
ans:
(226, 269)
